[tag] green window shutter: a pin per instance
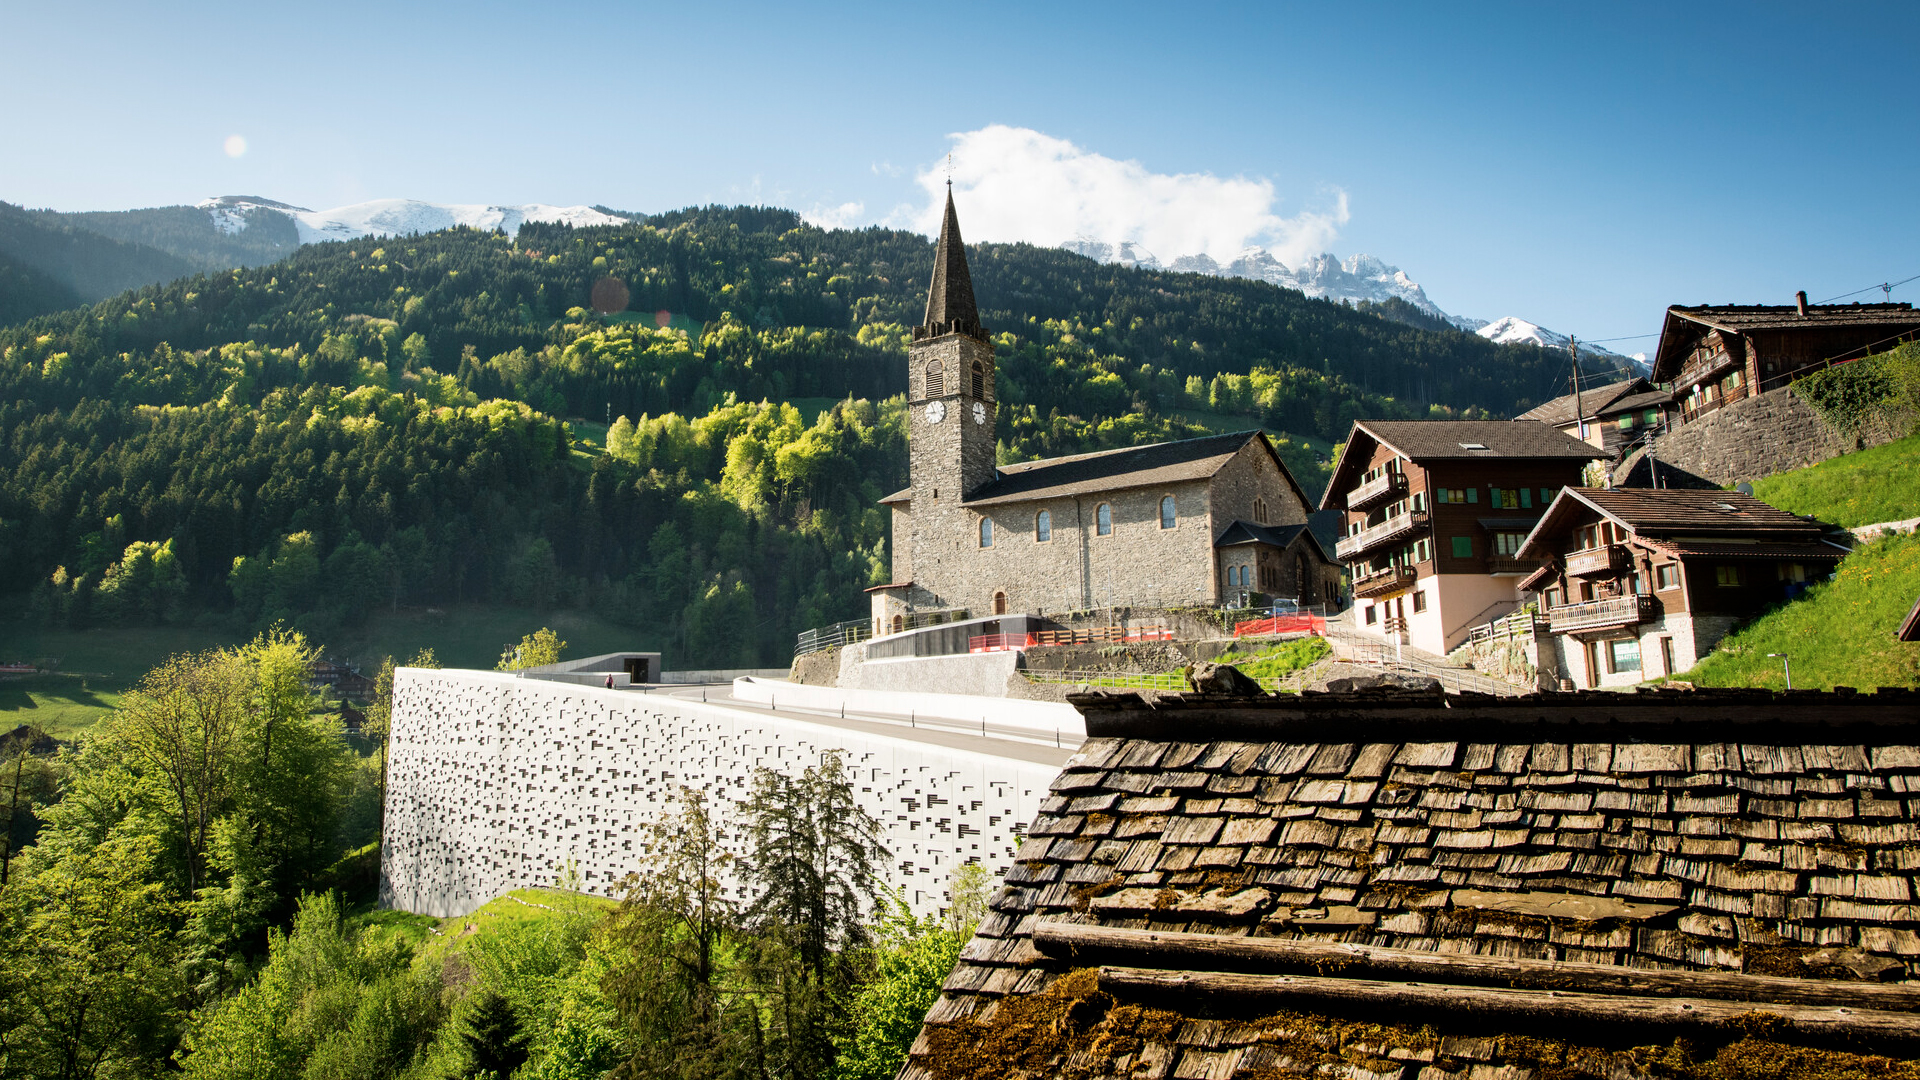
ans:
(1463, 547)
(1441, 495)
(1526, 499)
(1546, 496)
(1473, 494)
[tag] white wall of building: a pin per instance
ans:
(497, 783)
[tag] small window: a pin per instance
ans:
(1626, 422)
(986, 532)
(1507, 544)
(1726, 577)
(1419, 501)
(1103, 519)
(1623, 656)
(1260, 511)
(999, 603)
(979, 381)
(1423, 551)
(1373, 614)
(1043, 526)
(1420, 600)
(1463, 547)
(1551, 598)
(1668, 576)
(936, 379)
(1167, 519)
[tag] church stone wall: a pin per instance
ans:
(1251, 475)
(497, 783)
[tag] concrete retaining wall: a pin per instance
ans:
(980, 674)
(499, 783)
(1040, 717)
(722, 675)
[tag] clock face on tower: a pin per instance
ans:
(979, 413)
(936, 411)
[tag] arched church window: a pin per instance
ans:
(999, 603)
(1043, 526)
(979, 381)
(936, 379)
(1167, 519)
(986, 532)
(1260, 511)
(899, 623)
(1103, 519)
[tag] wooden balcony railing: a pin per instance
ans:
(1397, 527)
(1601, 614)
(1600, 560)
(1507, 564)
(1377, 490)
(1381, 582)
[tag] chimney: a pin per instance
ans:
(1800, 300)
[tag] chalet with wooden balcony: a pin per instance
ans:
(1637, 584)
(1614, 417)
(1713, 355)
(1435, 512)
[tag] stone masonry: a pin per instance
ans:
(1751, 438)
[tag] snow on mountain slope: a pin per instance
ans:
(389, 217)
(1360, 277)
(1517, 331)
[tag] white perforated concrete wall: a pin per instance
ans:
(496, 783)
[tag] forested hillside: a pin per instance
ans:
(188, 233)
(417, 420)
(89, 265)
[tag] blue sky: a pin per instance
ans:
(1581, 166)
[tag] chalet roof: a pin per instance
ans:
(1384, 885)
(1444, 440)
(1280, 536)
(1694, 518)
(950, 306)
(1686, 325)
(1594, 401)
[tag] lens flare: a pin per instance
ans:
(236, 145)
(662, 318)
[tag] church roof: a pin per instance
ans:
(950, 306)
(1280, 536)
(1384, 885)
(1111, 470)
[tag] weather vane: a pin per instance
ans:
(949, 168)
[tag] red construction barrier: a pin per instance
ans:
(999, 642)
(1301, 623)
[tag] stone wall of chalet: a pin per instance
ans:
(1750, 438)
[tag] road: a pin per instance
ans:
(1011, 743)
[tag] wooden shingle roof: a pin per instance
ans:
(1612, 397)
(1686, 325)
(1453, 440)
(1416, 887)
(1685, 518)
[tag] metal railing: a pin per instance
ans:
(831, 637)
(1597, 614)
(1389, 530)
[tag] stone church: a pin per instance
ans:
(1210, 521)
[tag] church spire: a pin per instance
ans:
(950, 306)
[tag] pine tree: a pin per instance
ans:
(493, 1038)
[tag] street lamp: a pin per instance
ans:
(1787, 664)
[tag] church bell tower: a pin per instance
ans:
(950, 384)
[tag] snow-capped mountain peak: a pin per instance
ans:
(389, 217)
(1360, 277)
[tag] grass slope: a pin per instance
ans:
(1881, 484)
(1840, 633)
(97, 665)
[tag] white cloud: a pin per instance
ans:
(1013, 184)
(845, 216)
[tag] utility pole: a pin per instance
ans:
(1579, 413)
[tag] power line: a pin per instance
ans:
(1886, 287)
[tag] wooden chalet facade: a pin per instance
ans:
(1436, 511)
(1615, 417)
(1638, 584)
(1712, 355)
